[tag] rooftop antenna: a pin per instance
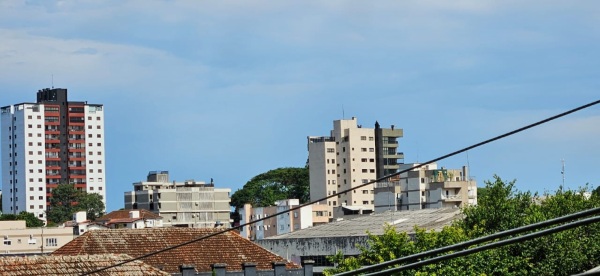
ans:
(343, 113)
(563, 171)
(52, 81)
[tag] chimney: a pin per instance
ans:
(134, 214)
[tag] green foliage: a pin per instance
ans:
(266, 188)
(66, 200)
(29, 218)
(500, 207)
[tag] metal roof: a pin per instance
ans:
(430, 219)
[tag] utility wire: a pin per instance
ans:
(470, 251)
(465, 244)
(348, 190)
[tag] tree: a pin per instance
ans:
(67, 200)
(501, 207)
(29, 218)
(266, 188)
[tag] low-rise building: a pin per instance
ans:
(288, 222)
(228, 248)
(426, 187)
(189, 203)
(20, 240)
(318, 242)
(132, 219)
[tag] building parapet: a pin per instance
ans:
(249, 269)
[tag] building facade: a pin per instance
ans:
(189, 203)
(18, 239)
(50, 142)
(285, 223)
(426, 187)
(350, 156)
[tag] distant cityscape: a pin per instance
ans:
(55, 141)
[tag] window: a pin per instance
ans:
(372, 170)
(365, 202)
(371, 138)
(365, 181)
(365, 191)
(100, 170)
(7, 241)
(363, 160)
(371, 149)
(364, 170)
(99, 135)
(363, 149)
(330, 150)
(89, 135)
(364, 138)
(372, 160)
(89, 126)
(51, 242)
(99, 153)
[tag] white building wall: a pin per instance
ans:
(95, 153)
(23, 161)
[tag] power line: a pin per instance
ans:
(476, 241)
(351, 189)
(491, 245)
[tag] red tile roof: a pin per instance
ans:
(123, 214)
(229, 248)
(74, 265)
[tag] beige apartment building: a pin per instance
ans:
(305, 217)
(426, 187)
(189, 203)
(350, 156)
(18, 239)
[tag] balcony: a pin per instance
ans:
(321, 139)
(451, 198)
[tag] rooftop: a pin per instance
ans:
(430, 219)
(124, 214)
(229, 248)
(74, 265)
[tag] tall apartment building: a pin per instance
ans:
(47, 143)
(350, 156)
(426, 187)
(189, 203)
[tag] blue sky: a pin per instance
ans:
(231, 89)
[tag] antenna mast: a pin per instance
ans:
(563, 172)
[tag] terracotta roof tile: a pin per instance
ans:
(123, 214)
(229, 248)
(74, 265)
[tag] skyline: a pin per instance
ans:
(230, 90)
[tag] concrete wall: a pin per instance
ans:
(293, 249)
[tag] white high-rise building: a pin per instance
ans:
(47, 143)
(351, 156)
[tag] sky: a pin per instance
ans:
(231, 89)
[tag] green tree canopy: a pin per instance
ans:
(501, 207)
(67, 200)
(266, 188)
(29, 218)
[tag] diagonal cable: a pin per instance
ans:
(357, 187)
